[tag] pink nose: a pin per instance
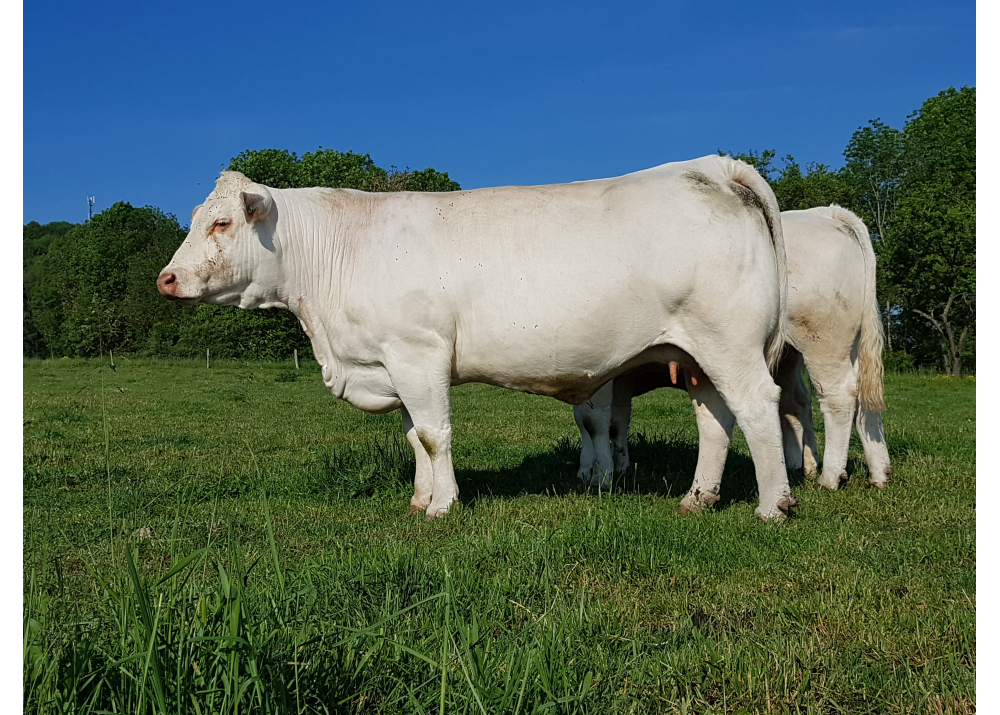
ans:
(167, 284)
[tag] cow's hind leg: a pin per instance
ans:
(423, 480)
(795, 409)
(715, 430)
(836, 385)
(752, 396)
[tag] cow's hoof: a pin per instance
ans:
(434, 512)
(695, 501)
(832, 482)
(881, 480)
(810, 469)
(780, 511)
(414, 509)
(884, 481)
(595, 480)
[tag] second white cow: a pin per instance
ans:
(836, 332)
(405, 294)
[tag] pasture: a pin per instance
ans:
(233, 539)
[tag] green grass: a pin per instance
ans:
(235, 540)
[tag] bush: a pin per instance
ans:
(898, 361)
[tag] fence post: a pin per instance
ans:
(296, 359)
(112, 357)
(208, 358)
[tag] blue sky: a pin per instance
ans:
(146, 102)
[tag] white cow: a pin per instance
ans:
(406, 294)
(836, 330)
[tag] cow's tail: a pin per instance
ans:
(746, 176)
(870, 370)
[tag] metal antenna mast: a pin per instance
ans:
(90, 207)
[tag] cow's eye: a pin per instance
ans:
(221, 225)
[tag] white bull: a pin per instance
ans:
(836, 330)
(405, 294)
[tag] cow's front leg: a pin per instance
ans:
(423, 480)
(426, 399)
(715, 430)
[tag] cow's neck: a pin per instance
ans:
(318, 252)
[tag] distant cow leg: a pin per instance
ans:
(836, 385)
(587, 444)
(795, 409)
(621, 418)
(423, 481)
(593, 417)
(715, 430)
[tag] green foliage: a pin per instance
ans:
(36, 243)
(898, 361)
(932, 245)
(326, 167)
(818, 186)
(271, 334)
(872, 173)
(95, 288)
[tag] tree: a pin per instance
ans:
(329, 168)
(932, 235)
(96, 285)
(37, 240)
(818, 186)
(874, 170)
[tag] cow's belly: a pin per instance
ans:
(568, 381)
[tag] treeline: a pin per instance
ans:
(90, 287)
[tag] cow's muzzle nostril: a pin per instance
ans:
(167, 284)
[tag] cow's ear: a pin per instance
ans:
(257, 206)
(194, 211)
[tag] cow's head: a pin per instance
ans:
(229, 256)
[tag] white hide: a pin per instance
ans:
(836, 334)
(405, 294)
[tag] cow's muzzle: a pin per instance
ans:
(167, 284)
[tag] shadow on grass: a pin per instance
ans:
(662, 464)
